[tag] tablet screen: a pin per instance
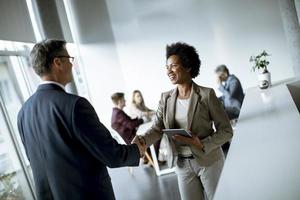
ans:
(171, 132)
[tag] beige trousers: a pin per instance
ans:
(195, 182)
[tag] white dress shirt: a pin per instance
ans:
(53, 82)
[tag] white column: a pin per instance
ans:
(297, 4)
(292, 31)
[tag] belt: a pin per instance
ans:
(186, 157)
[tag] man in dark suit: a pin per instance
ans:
(66, 144)
(232, 91)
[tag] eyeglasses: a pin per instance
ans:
(71, 58)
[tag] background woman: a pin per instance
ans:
(138, 108)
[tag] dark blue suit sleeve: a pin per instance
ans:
(98, 140)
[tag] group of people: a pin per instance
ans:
(69, 148)
(126, 126)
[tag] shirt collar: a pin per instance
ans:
(53, 82)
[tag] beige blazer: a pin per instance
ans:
(205, 112)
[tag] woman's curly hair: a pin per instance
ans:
(188, 56)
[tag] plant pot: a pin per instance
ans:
(264, 80)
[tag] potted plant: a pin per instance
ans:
(260, 64)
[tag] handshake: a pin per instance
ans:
(141, 143)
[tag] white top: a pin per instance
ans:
(263, 161)
(181, 110)
(135, 112)
(53, 82)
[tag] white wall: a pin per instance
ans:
(227, 31)
(93, 33)
(126, 49)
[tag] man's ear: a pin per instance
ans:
(56, 63)
(119, 102)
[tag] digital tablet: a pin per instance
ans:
(171, 132)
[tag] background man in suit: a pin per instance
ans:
(66, 144)
(232, 90)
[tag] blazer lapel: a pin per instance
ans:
(193, 105)
(171, 102)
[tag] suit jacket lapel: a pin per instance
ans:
(193, 105)
(171, 102)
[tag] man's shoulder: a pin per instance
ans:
(232, 78)
(118, 111)
(57, 97)
(66, 99)
(29, 101)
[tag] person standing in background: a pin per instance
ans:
(66, 144)
(198, 159)
(232, 90)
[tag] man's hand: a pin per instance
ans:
(219, 80)
(140, 142)
(194, 140)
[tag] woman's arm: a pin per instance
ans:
(155, 132)
(222, 124)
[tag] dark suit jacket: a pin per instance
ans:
(124, 125)
(68, 147)
(233, 94)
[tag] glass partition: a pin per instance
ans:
(15, 173)
(18, 82)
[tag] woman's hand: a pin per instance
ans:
(194, 140)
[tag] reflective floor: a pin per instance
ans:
(143, 184)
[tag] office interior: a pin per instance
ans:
(120, 46)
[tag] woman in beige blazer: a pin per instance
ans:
(198, 159)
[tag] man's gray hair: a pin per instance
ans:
(222, 68)
(43, 53)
